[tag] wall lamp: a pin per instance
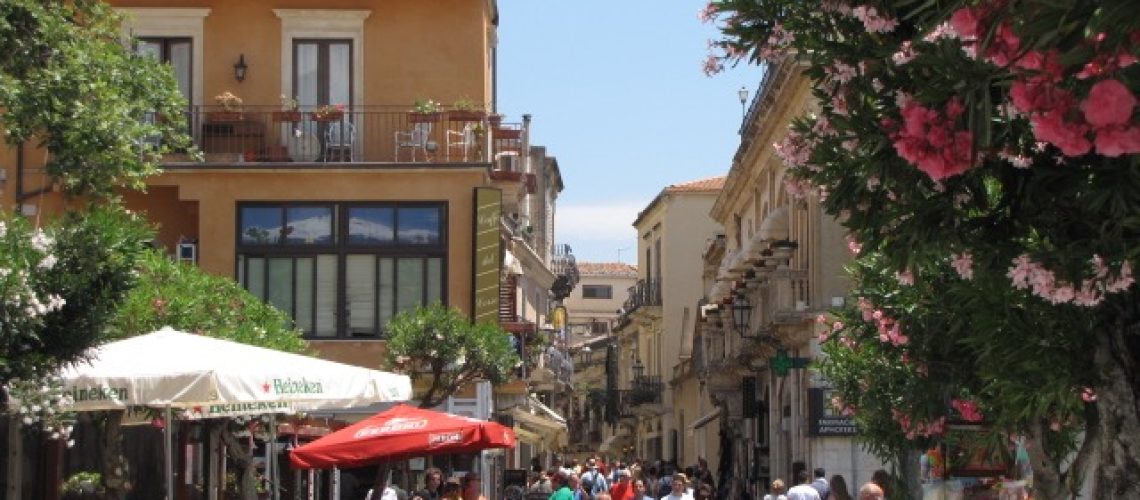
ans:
(239, 68)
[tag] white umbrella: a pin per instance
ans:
(205, 376)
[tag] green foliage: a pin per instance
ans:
(82, 482)
(186, 298)
(68, 82)
(83, 264)
(440, 343)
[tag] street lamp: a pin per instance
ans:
(741, 314)
(743, 95)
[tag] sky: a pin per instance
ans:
(617, 95)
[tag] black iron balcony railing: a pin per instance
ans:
(358, 134)
(644, 293)
(646, 389)
(618, 405)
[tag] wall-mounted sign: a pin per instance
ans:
(825, 420)
(486, 265)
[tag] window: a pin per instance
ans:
(322, 72)
(178, 53)
(599, 327)
(343, 269)
(597, 292)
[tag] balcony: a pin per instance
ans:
(646, 390)
(565, 266)
(646, 293)
(358, 135)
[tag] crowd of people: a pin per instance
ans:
(595, 480)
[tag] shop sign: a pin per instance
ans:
(486, 265)
(823, 419)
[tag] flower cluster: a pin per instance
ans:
(1039, 91)
(967, 409)
(963, 264)
(1026, 273)
(44, 402)
(228, 101)
(931, 140)
(916, 428)
(890, 332)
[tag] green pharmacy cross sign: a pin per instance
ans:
(782, 363)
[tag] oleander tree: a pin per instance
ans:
(983, 156)
(440, 344)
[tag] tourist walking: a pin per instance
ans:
(803, 489)
(839, 488)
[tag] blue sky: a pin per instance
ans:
(618, 96)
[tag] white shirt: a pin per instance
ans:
(803, 492)
(777, 497)
(672, 496)
(389, 494)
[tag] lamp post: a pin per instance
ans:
(741, 314)
(743, 95)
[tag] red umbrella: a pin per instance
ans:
(399, 433)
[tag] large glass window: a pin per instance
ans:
(343, 279)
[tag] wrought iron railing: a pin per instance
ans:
(646, 389)
(358, 134)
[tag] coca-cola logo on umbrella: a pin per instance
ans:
(398, 424)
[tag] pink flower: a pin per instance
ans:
(853, 245)
(963, 263)
(966, 22)
(968, 410)
(1116, 141)
(708, 13)
(838, 325)
(1069, 137)
(1088, 395)
(1109, 103)
(821, 319)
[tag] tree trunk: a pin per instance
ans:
(114, 465)
(909, 475)
(1117, 473)
(1047, 481)
(242, 457)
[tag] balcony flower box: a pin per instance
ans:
(328, 116)
(466, 115)
(286, 116)
(224, 116)
(507, 133)
(418, 117)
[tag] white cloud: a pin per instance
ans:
(597, 230)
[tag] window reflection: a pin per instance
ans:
(309, 226)
(419, 226)
(261, 225)
(371, 225)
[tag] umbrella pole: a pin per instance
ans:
(272, 459)
(168, 444)
(334, 490)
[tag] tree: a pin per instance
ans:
(440, 343)
(186, 298)
(983, 156)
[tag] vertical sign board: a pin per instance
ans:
(486, 265)
(823, 419)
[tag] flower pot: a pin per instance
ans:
(507, 133)
(287, 116)
(460, 115)
(415, 117)
(328, 116)
(224, 116)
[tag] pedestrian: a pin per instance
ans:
(576, 486)
(561, 486)
(803, 490)
(704, 475)
(450, 491)
(593, 480)
(839, 488)
(871, 491)
(820, 483)
(776, 492)
(433, 482)
(882, 478)
(623, 489)
(640, 492)
(472, 487)
(677, 484)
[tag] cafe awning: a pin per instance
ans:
(534, 416)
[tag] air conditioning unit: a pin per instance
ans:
(508, 163)
(188, 252)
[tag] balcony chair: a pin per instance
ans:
(340, 140)
(462, 139)
(416, 138)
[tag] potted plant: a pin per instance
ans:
(231, 108)
(328, 113)
(466, 110)
(81, 483)
(289, 112)
(424, 111)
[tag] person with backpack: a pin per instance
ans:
(593, 481)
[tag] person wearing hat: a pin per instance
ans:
(624, 489)
(677, 486)
(593, 481)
